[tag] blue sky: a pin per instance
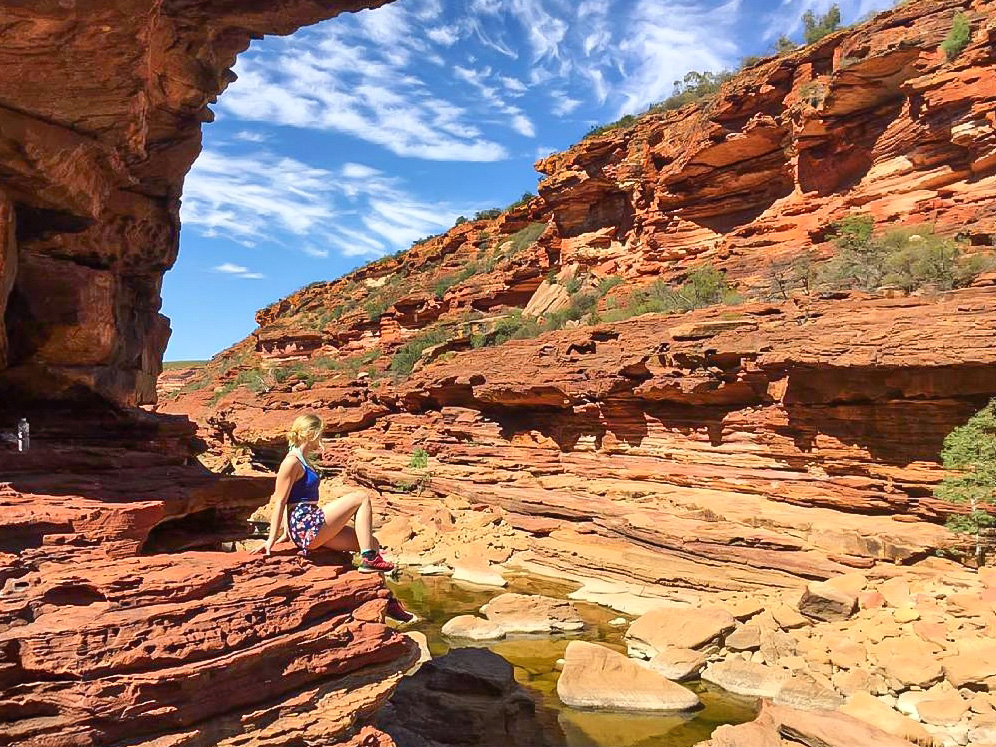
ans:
(352, 138)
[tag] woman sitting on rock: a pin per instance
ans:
(310, 526)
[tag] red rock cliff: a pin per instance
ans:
(101, 106)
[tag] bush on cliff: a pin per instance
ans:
(704, 286)
(408, 355)
(908, 258)
(958, 37)
(971, 450)
(816, 27)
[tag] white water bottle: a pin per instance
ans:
(23, 435)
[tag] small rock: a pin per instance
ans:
(896, 592)
(912, 669)
(598, 677)
(480, 574)
(743, 608)
(804, 693)
(745, 638)
(775, 644)
(870, 600)
(906, 615)
(851, 584)
(472, 628)
(788, 618)
(618, 621)
(823, 602)
(678, 663)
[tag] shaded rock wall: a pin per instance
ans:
(100, 119)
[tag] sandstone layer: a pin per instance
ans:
(101, 109)
(105, 641)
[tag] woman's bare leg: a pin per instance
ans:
(340, 511)
(346, 541)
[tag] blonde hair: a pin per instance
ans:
(305, 428)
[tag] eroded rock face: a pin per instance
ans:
(105, 642)
(100, 119)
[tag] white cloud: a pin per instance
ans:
(445, 36)
(261, 197)
(231, 269)
(250, 137)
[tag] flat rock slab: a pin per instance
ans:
(598, 677)
(479, 574)
(531, 613)
(747, 678)
(683, 628)
(472, 628)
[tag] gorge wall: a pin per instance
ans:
(114, 628)
(786, 438)
(100, 119)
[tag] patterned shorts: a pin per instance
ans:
(303, 524)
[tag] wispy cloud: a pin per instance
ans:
(261, 197)
(787, 17)
(229, 268)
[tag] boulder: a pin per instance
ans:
(822, 601)
(746, 678)
(478, 573)
(684, 628)
(943, 711)
(598, 677)
(912, 669)
(528, 613)
(472, 628)
(469, 696)
(806, 694)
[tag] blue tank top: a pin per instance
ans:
(305, 488)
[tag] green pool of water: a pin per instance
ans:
(436, 599)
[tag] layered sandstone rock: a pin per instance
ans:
(105, 642)
(100, 119)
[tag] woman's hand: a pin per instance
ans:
(266, 547)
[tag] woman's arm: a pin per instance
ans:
(286, 476)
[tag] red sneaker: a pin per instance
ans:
(397, 611)
(376, 564)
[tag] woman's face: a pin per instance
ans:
(318, 445)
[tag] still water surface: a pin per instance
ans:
(436, 599)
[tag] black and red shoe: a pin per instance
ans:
(376, 564)
(396, 611)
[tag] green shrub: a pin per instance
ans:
(784, 45)
(573, 285)
(226, 389)
(958, 37)
(516, 326)
(524, 238)
(693, 87)
(524, 200)
(607, 284)
(404, 360)
(971, 450)
(704, 286)
(909, 258)
(581, 305)
(460, 220)
(489, 214)
(624, 121)
(816, 27)
(420, 459)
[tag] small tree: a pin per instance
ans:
(784, 45)
(958, 37)
(816, 27)
(971, 449)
